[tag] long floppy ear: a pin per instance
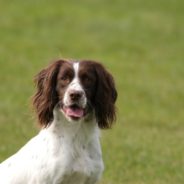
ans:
(105, 97)
(46, 96)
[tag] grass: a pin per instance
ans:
(140, 42)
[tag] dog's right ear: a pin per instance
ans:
(46, 96)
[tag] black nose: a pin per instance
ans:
(75, 95)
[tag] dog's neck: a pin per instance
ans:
(80, 131)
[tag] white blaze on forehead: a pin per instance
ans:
(75, 84)
(76, 69)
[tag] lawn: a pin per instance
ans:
(140, 42)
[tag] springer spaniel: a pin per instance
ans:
(73, 100)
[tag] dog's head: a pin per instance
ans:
(76, 89)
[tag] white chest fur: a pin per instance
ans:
(59, 154)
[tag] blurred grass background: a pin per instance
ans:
(140, 42)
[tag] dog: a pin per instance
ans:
(73, 101)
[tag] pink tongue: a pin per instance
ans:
(75, 112)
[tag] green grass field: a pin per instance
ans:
(140, 42)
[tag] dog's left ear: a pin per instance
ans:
(46, 96)
(105, 97)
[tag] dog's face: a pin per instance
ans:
(78, 90)
(75, 89)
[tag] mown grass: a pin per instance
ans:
(140, 42)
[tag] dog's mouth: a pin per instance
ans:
(74, 111)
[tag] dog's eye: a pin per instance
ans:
(65, 79)
(87, 80)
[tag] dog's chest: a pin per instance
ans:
(82, 170)
(83, 164)
(78, 160)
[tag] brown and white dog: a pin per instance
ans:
(73, 100)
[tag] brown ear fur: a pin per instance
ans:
(105, 97)
(46, 96)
